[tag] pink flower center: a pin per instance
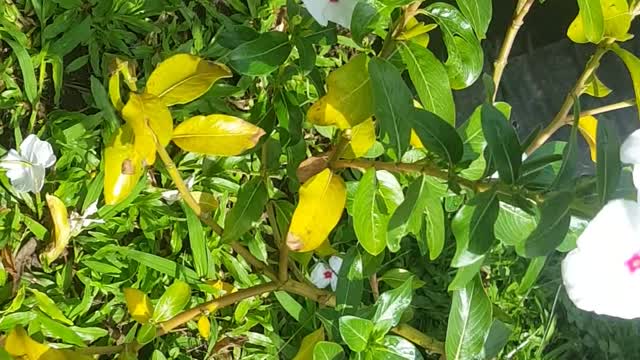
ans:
(633, 263)
(328, 274)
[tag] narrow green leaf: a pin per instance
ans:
(479, 12)
(608, 165)
(56, 330)
(291, 306)
(633, 65)
(369, 223)
(469, 322)
(146, 334)
(349, 290)
(393, 104)
(496, 340)
(390, 307)
(503, 143)
(198, 243)
(434, 229)
(430, 79)
(252, 198)
(355, 332)
(26, 68)
(49, 307)
(76, 35)
(481, 232)
(174, 299)
(160, 264)
(437, 135)
(8, 322)
(531, 275)
(261, 56)
(566, 177)
(552, 227)
(593, 19)
(326, 350)
(364, 15)
(465, 274)
(407, 218)
(397, 277)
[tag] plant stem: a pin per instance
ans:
(577, 90)
(603, 109)
(99, 350)
(419, 338)
(522, 9)
(283, 261)
(389, 44)
(213, 305)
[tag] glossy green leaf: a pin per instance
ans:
(503, 143)
(434, 227)
(369, 221)
(397, 277)
(593, 19)
(479, 13)
(326, 350)
(466, 274)
(465, 60)
(252, 198)
(437, 135)
(481, 233)
(146, 334)
(49, 307)
(392, 103)
(430, 78)
(355, 332)
(174, 299)
(552, 227)
(261, 56)
(394, 348)
(513, 225)
(469, 321)
(407, 218)
(608, 165)
(633, 65)
(390, 307)
(160, 264)
(349, 290)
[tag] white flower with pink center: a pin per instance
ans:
(323, 275)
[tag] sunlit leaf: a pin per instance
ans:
(363, 136)
(49, 307)
(616, 18)
(308, 343)
(138, 304)
(183, 78)
(588, 126)
(590, 20)
(19, 345)
(370, 221)
(122, 166)
(61, 229)
(221, 135)
(174, 299)
(326, 350)
(633, 65)
(322, 199)
(596, 88)
(204, 327)
(348, 101)
(147, 115)
(417, 32)
(355, 332)
(479, 13)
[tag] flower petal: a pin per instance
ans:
(318, 277)
(335, 262)
(37, 151)
(334, 283)
(598, 275)
(337, 11)
(630, 149)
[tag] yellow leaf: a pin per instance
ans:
(147, 115)
(204, 327)
(19, 345)
(119, 67)
(122, 166)
(363, 136)
(596, 88)
(617, 21)
(349, 99)
(322, 199)
(138, 304)
(61, 229)
(114, 91)
(221, 135)
(207, 201)
(588, 126)
(308, 343)
(224, 288)
(417, 32)
(183, 78)
(415, 141)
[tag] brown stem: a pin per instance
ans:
(577, 90)
(100, 350)
(603, 109)
(210, 306)
(419, 338)
(373, 281)
(501, 62)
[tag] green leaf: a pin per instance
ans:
(291, 306)
(593, 19)
(174, 299)
(430, 79)
(390, 307)
(393, 104)
(369, 222)
(407, 218)
(8, 322)
(77, 34)
(503, 143)
(56, 330)
(513, 225)
(326, 350)
(397, 277)
(198, 243)
(531, 275)
(479, 13)
(608, 165)
(146, 334)
(465, 61)
(567, 173)
(465, 274)
(633, 65)
(481, 233)
(252, 198)
(261, 56)
(552, 227)
(364, 15)
(26, 68)
(49, 307)
(434, 227)
(307, 54)
(469, 322)
(437, 135)
(349, 290)
(160, 264)
(496, 340)
(355, 332)
(394, 348)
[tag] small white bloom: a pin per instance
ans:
(337, 11)
(602, 273)
(323, 275)
(26, 168)
(78, 222)
(171, 196)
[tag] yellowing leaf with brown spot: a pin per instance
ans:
(617, 21)
(19, 345)
(138, 304)
(349, 98)
(204, 327)
(221, 135)
(588, 126)
(61, 229)
(122, 167)
(363, 136)
(308, 343)
(183, 78)
(148, 115)
(322, 200)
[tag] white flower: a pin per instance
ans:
(603, 273)
(337, 11)
(323, 275)
(78, 222)
(26, 168)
